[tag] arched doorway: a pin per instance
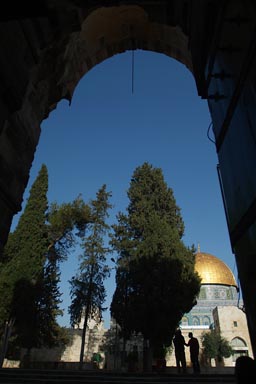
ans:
(240, 348)
(115, 129)
(46, 50)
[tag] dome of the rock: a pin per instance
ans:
(213, 270)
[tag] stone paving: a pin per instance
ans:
(33, 376)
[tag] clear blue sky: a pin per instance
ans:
(108, 131)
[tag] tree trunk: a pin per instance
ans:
(147, 356)
(87, 313)
(6, 336)
(123, 354)
(83, 336)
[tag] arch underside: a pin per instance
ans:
(110, 31)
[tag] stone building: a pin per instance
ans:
(69, 356)
(219, 307)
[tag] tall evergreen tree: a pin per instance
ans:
(156, 282)
(87, 287)
(26, 248)
(29, 277)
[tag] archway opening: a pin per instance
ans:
(125, 111)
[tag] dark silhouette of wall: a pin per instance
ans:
(46, 48)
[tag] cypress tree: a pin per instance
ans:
(156, 282)
(24, 258)
(29, 277)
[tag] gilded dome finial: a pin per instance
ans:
(198, 248)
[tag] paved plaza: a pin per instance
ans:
(34, 376)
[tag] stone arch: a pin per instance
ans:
(206, 320)
(53, 60)
(40, 65)
(185, 320)
(239, 347)
(195, 320)
(106, 32)
(238, 342)
(119, 29)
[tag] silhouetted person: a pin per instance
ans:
(245, 370)
(179, 348)
(193, 345)
(133, 359)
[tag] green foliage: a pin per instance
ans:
(87, 287)
(25, 253)
(215, 346)
(156, 282)
(65, 222)
(29, 276)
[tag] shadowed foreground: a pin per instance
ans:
(34, 376)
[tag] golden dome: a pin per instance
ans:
(212, 270)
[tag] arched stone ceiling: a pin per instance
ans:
(109, 31)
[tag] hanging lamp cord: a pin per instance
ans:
(132, 71)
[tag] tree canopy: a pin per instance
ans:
(87, 287)
(215, 346)
(156, 281)
(29, 276)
